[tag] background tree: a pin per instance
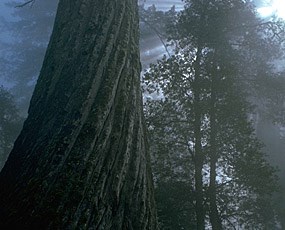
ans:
(201, 86)
(10, 123)
(172, 145)
(270, 127)
(81, 157)
(23, 53)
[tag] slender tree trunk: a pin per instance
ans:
(199, 157)
(214, 213)
(282, 224)
(81, 160)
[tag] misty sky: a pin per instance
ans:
(165, 4)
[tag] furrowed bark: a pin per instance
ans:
(81, 160)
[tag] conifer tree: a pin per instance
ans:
(204, 110)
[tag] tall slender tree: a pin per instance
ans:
(237, 182)
(81, 160)
(204, 109)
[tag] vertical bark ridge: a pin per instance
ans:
(90, 100)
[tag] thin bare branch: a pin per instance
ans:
(26, 3)
(158, 34)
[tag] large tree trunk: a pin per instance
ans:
(80, 161)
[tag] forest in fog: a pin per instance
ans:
(149, 114)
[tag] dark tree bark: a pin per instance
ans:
(199, 156)
(214, 212)
(81, 161)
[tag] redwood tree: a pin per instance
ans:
(81, 160)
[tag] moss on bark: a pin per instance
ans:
(81, 160)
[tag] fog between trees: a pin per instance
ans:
(218, 91)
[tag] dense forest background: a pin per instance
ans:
(214, 106)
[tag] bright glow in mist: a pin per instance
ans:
(273, 7)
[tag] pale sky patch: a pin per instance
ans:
(271, 8)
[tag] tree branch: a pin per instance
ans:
(26, 3)
(157, 34)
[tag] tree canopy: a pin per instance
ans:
(199, 121)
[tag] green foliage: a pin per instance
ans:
(243, 171)
(175, 205)
(271, 92)
(227, 37)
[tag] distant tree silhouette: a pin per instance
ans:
(10, 124)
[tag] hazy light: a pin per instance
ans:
(273, 7)
(280, 6)
(265, 11)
